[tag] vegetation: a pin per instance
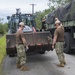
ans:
(3, 30)
(2, 51)
(57, 3)
(39, 17)
(2, 48)
(3, 27)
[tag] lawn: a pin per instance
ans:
(2, 48)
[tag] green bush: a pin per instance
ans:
(3, 28)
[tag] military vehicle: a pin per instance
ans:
(38, 42)
(66, 14)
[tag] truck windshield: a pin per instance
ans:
(15, 19)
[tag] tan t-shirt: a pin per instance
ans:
(19, 36)
(60, 34)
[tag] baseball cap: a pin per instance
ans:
(21, 24)
(57, 22)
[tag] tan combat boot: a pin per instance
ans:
(18, 66)
(64, 63)
(61, 65)
(24, 68)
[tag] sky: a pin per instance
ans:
(8, 7)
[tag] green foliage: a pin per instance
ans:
(3, 28)
(2, 51)
(39, 17)
(57, 3)
(2, 48)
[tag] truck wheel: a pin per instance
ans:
(11, 55)
(67, 39)
(42, 52)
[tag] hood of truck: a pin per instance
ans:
(27, 29)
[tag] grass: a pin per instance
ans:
(2, 49)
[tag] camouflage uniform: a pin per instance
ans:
(59, 45)
(20, 45)
(21, 55)
(59, 51)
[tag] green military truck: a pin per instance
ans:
(38, 42)
(66, 15)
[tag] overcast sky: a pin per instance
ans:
(8, 7)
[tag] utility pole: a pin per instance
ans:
(18, 11)
(33, 8)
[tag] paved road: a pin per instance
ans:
(40, 65)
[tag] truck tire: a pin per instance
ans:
(11, 55)
(67, 39)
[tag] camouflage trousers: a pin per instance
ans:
(21, 55)
(59, 51)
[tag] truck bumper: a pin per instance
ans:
(36, 48)
(40, 47)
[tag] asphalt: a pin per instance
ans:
(40, 65)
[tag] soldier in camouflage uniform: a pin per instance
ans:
(58, 42)
(20, 45)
